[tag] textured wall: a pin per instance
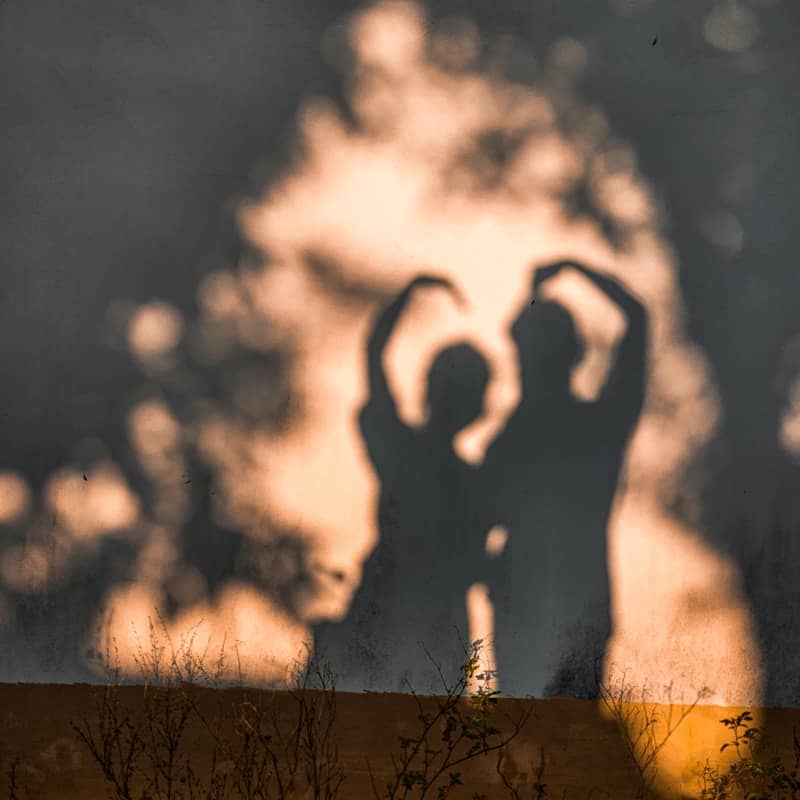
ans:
(225, 424)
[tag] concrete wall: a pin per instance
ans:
(224, 424)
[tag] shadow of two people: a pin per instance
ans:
(548, 479)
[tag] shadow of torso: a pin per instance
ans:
(552, 475)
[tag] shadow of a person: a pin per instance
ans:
(551, 476)
(431, 522)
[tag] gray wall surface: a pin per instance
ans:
(131, 135)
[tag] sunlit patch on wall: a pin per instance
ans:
(240, 635)
(480, 614)
(496, 541)
(94, 504)
(62, 532)
(789, 387)
(15, 497)
(154, 331)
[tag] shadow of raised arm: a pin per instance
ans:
(381, 426)
(627, 302)
(632, 350)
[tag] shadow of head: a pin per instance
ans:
(457, 383)
(548, 346)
